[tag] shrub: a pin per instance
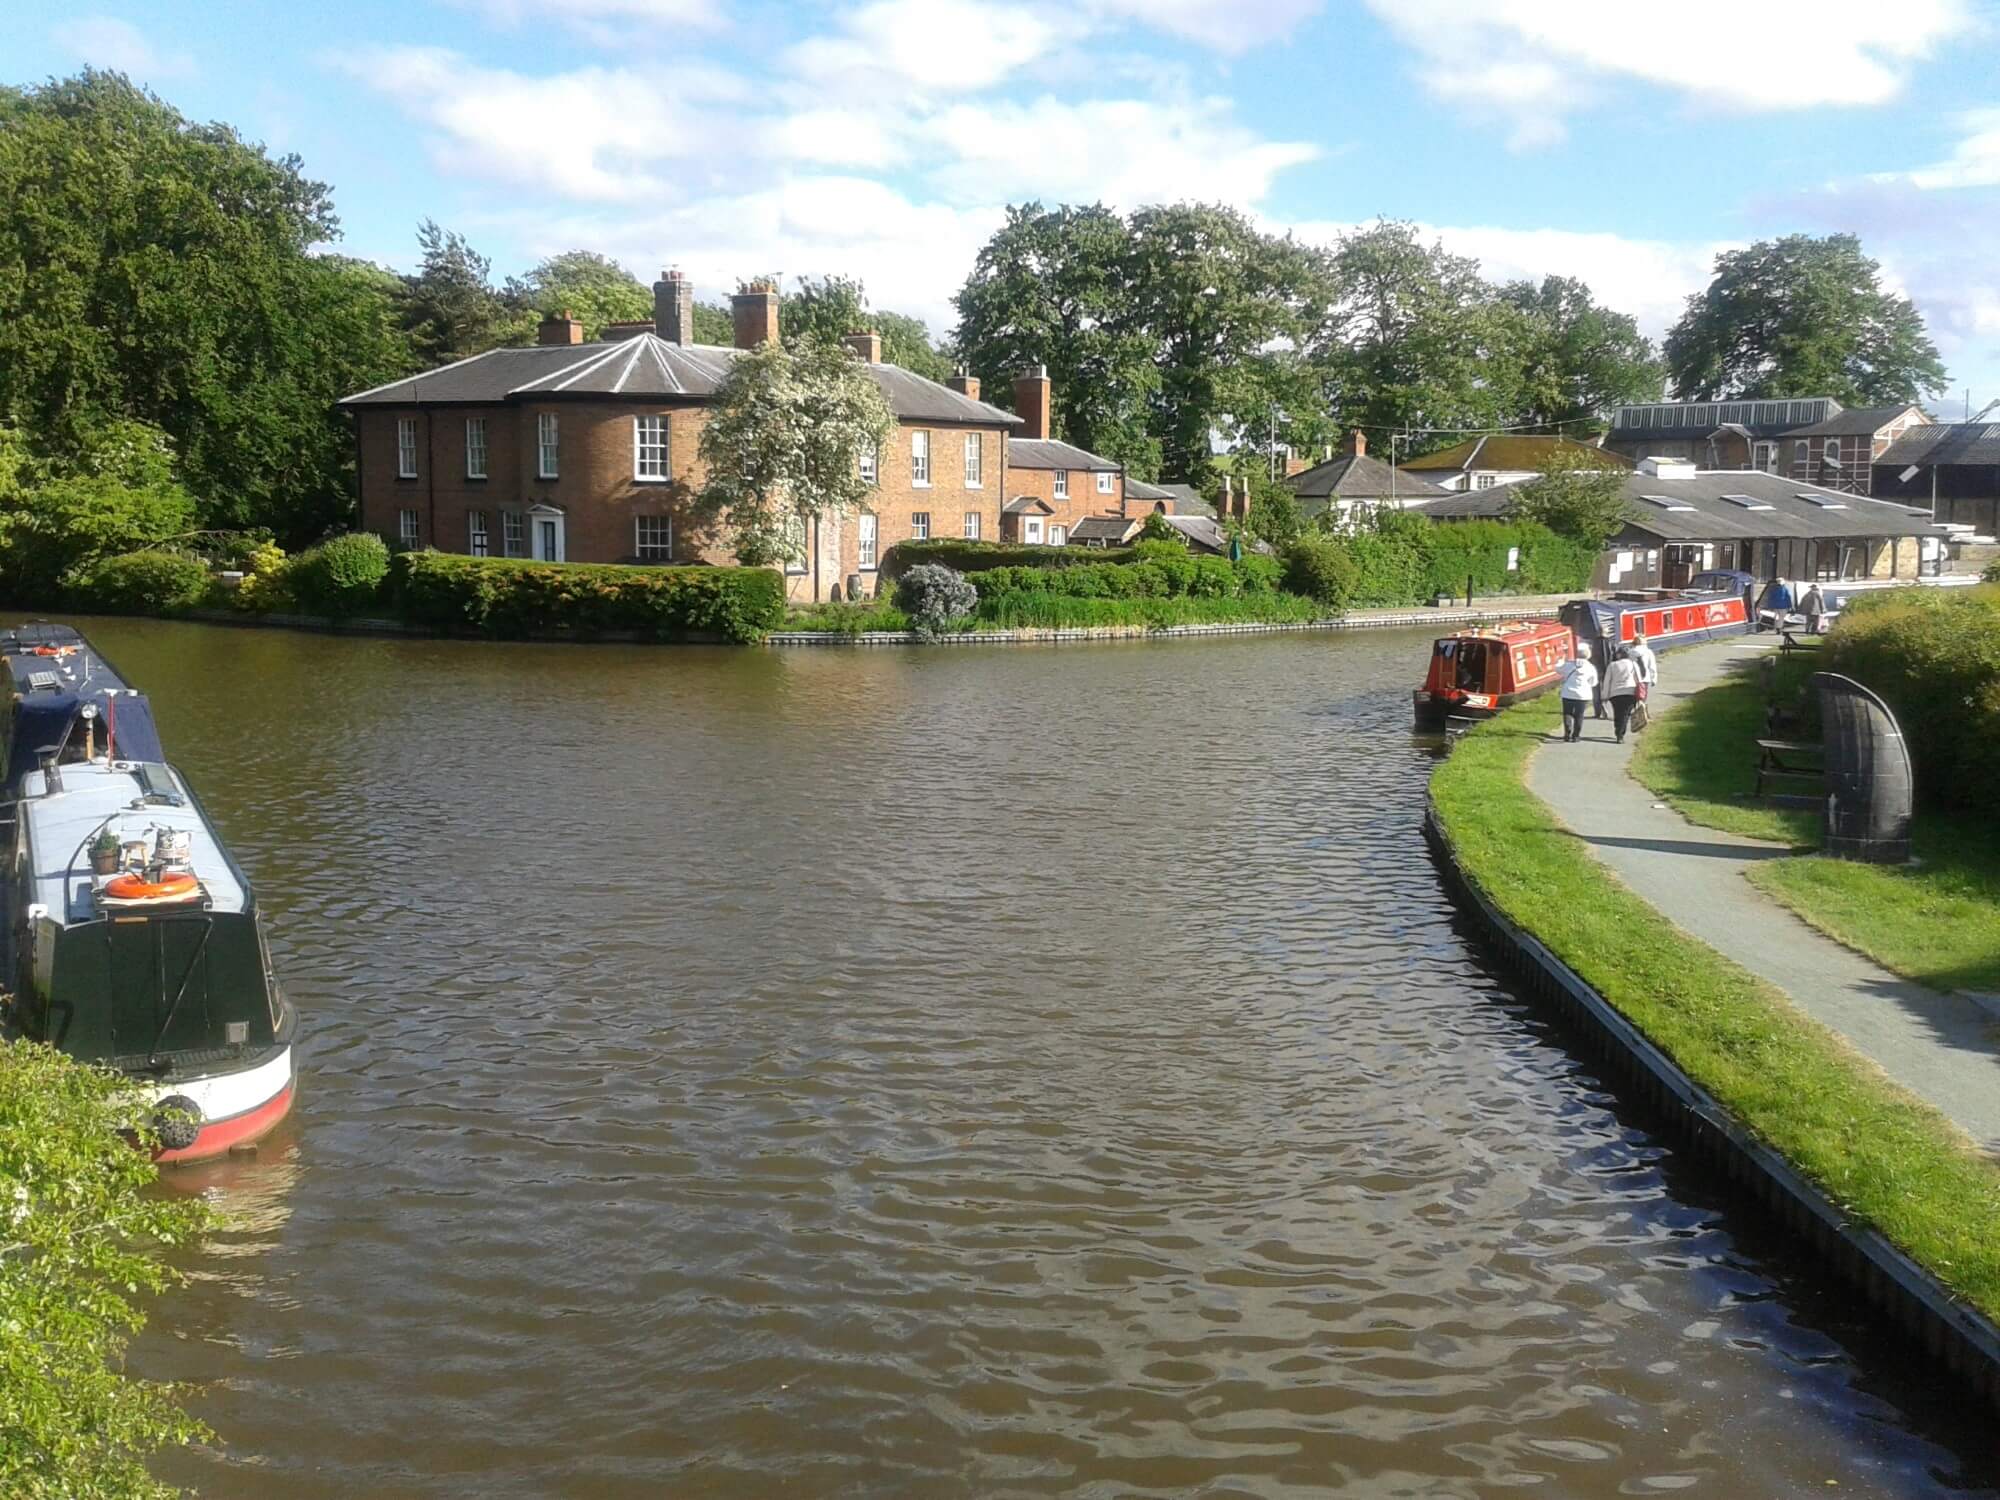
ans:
(936, 599)
(511, 597)
(1322, 570)
(1934, 656)
(152, 582)
(1157, 529)
(265, 583)
(847, 619)
(1259, 574)
(977, 557)
(83, 1226)
(1992, 573)
(341, 576)
(1043, 610)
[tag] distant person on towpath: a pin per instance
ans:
(1647, 659)
(1622, 681)
(1579, 679)
(1813, 606)
(1779, 602)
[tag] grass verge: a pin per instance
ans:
(846, 619)
(1887, 1158)
(1936, 921)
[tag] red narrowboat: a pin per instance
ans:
(1476, 673)
(1669, 619)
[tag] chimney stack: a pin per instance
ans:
(754, 312)
(673, 308)
(1031, 401)
(1357, 443)
(867, 345)
(965, 384)
(559, 328)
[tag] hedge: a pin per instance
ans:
(979, 557)
(1163, 571)
(1041, 610)
(150, 582)
(509, 597)
(1934, 656)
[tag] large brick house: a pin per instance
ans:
(589, 452)
(1053, 487)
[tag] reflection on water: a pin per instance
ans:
(970, 1072)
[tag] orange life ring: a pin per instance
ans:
(54, 650)
(174, 885)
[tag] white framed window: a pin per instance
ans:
(974, 461)
(1031, 528)
(649, 450)
(408, 531)
(547, 455)
(513, 534)
(1062, 484)
(1058, 536)
(1104, 479)
(795, 540)
(920, 458)
(920, 526)
(869, 533)
(1482, 481)
(476, 540)
(972, 526)
(406, 447)
(475, 448)
(1830, 451)
(653, 538)
(871, 466)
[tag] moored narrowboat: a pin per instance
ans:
(1669, 618)
(133, 936)
(1476, 673)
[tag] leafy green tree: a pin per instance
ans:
(1801, 316)
(58, 516)
(783, 447)
(831, 307)
(1223, 306)
(1576, 360)
(713, 325)
(1052, 288)
(450, 306)
(1412, 338)
(592, 288)
(1574, 496)
(159, 269)
(80, 1237)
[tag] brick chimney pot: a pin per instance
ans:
(559, 328)
(964, 384)
(867, 345)
(755, 316)
(673, 308)
(1031, 401)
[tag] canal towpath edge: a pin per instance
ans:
(1939, 1047)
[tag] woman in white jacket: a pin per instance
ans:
(1621, 686)
(1579, 676)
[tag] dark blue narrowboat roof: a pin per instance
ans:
(54, 672)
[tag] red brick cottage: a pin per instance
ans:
(588, 452)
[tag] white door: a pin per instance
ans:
(1058, 536)
(547, 536)
(1031, 528)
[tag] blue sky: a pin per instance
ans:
(1625, 144)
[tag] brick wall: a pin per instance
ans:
(1083, 499)
(599, 495)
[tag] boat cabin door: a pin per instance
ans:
(158, 998)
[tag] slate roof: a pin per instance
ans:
(1047, 453)
(1508, 450)
(1860, 422)
(1795, 510)
(1139, 489)
(643, 367)
(1468, 505)
(1356, 476)
(1945, 443)
(1020, 505)
(1207, 533)
(1761, 418)
(1104, 529)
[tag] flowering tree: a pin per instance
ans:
(783, 446)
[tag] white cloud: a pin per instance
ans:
(1125, 152)
(955, 46)
(610, 23)
(1531, 62)
(1231, 26)
(1974, 162)
(106, 42)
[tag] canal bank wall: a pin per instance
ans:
(1480, 613)
(1904, 1293)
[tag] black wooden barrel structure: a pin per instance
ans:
(1871, 790)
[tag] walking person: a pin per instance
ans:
(1813, 606)
(1647, 658)
(1579, 688)
(1622, 681)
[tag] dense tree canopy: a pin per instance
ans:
(162, 270)
(592, 288)
(829, 308)
(1575, 360)
(1802, 316)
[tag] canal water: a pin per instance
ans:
(966, 1072)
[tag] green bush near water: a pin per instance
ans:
(1934, 656)
(1039, 610)
(341, 576)
(149, 582)
(509, 597)
(81, 1231)
(978, 557)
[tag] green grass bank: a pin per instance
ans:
(1889, 1160)
(1936, 921)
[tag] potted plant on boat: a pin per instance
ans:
(104, 852)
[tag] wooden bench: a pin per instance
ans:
(1784, 760)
